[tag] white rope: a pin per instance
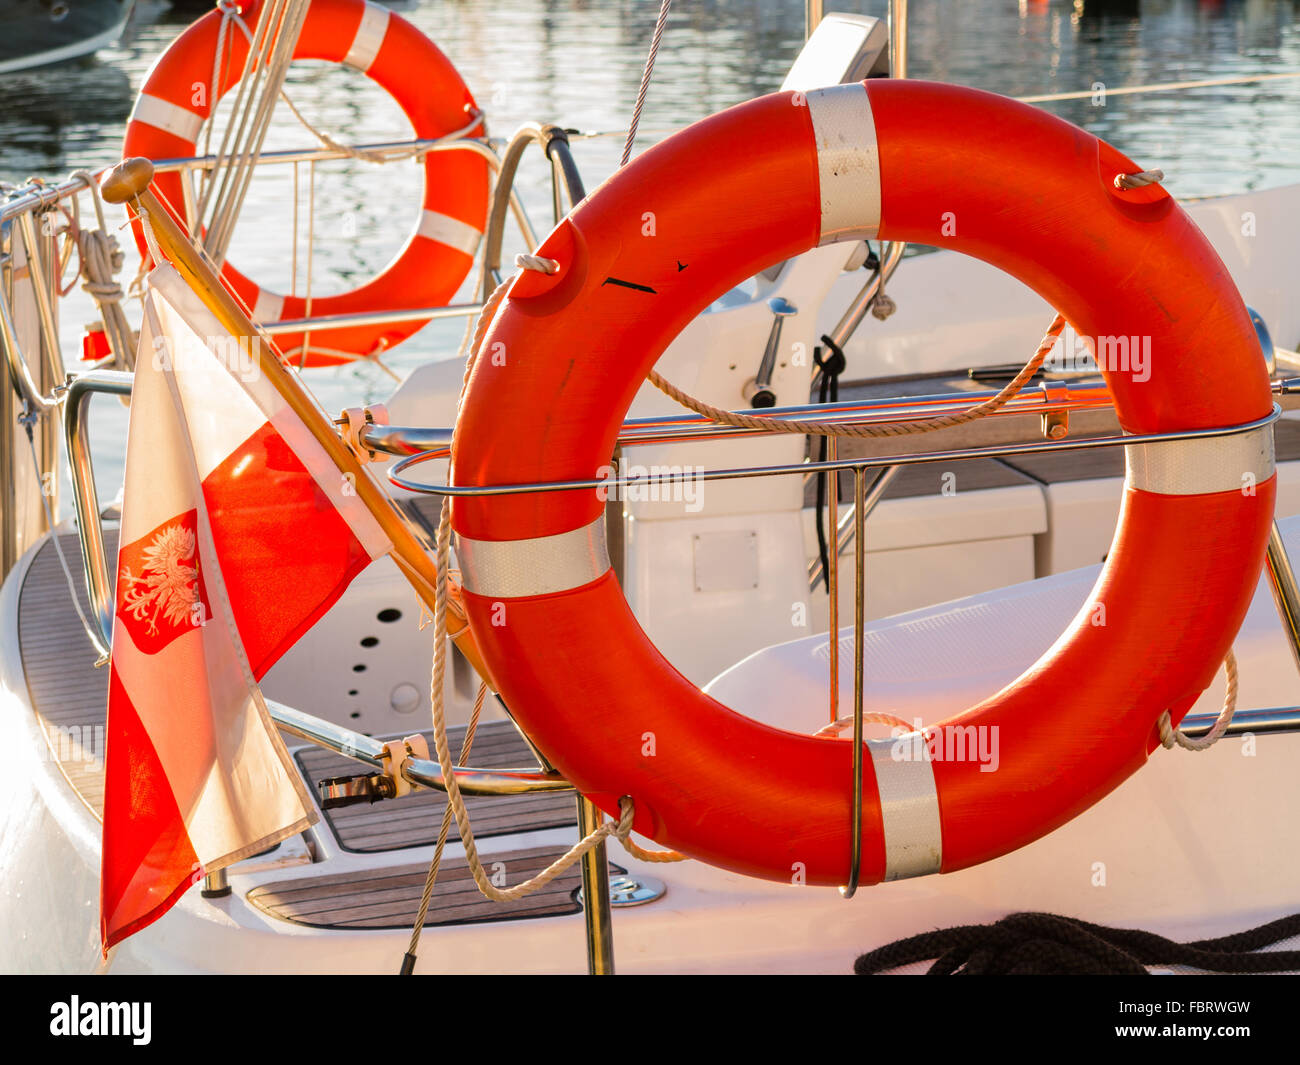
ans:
(347, 150)
(620, 829)
(818, 428)
(431, 878)
(455, 802)
(229, 13)
(379, 158)
(1170, 736)
(537, 262)
(150, 240)
(229, 16)
(1139, 180)
(269, 55)
(840, 724)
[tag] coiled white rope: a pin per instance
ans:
(101, 260)
(620, 829)
(445, 830)
(1139, 180)
(539, 263)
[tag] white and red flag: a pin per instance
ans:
(238, 532)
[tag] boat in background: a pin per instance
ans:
(36, 33)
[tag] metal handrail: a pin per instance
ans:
(38, 197)
(21, 212)
(20, 375)
(434, 444)
(321, 154)
(674, 428)
(43, 197)
(423, 147)
(419, 771)
(1285, 590)
(564, 174)
(76, 400)
(326, 323)
(427, 773)
(396, 473)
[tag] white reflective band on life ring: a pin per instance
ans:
(449, 231)
(1201, 465)
(268, 307)
(909, 805)
(522, 569)
(848, 162)
(369, 39)
(162, 114)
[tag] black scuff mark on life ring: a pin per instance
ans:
(628, 284)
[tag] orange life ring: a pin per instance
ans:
(177, 98)
(913, 161)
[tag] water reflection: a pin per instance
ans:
(53, 117)
(578, 62)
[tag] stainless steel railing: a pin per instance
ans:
(1262, 721)
(22, 209)
(34, 376)
(76, 406)
(419, 446)
(398, 473)
(504, 187)
(675, 428)
(414, 445)
(427, 773)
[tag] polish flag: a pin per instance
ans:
(238, 533)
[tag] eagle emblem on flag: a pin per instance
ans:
(159, 583)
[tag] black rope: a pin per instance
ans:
(1045, 943)
(831, 366)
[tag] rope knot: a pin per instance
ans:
(537, 262)
(626, 813)
(1125, 182)
(882, 307)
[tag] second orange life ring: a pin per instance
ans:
(367, 37)
(731, 195)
